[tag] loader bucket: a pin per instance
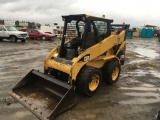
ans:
(43, 95)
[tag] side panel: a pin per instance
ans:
(96, 63)
(62, 65)
(97, 50)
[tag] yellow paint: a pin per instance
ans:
(100, 53)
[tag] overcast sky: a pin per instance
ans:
(134, 12)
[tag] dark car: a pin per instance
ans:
(34, 33)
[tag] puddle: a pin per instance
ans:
(144, 73)
(137, 61)
(156, 74)
(141, 101)
(137, 73)
(146, 52)
(141, 88)
(140, 56)
(147, 85)
(148, 94)
(142, 95)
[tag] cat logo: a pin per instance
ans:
(86, 58)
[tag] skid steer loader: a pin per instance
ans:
(92, 50)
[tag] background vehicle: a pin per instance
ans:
(34, 33)
(90, 51)
(11, 33)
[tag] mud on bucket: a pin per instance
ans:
(44, 96)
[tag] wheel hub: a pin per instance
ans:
(115, 73)
(94, 82)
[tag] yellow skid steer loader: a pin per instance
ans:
(92, 50)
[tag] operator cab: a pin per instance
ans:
(82, 32)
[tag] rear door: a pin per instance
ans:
(35, 34)
(32, 33)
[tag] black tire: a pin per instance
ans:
(43, 38)
(1, 39)
(89, 80)
(13, 39)
(111, 71)
(23, 40)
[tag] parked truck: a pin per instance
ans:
(11, 33)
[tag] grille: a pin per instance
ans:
(23, 35)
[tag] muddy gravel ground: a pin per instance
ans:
(136, 96)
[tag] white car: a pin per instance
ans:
(11, 33)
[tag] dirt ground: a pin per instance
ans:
(136, 96)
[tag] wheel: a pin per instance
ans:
(1, 39)
(13, 39)
(23, 40)
(111, 72)
(43, 38)
(89, 80)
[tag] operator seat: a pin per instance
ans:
(70, 54)
(70, 51)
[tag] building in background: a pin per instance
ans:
(52, 28)
(9, 22)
